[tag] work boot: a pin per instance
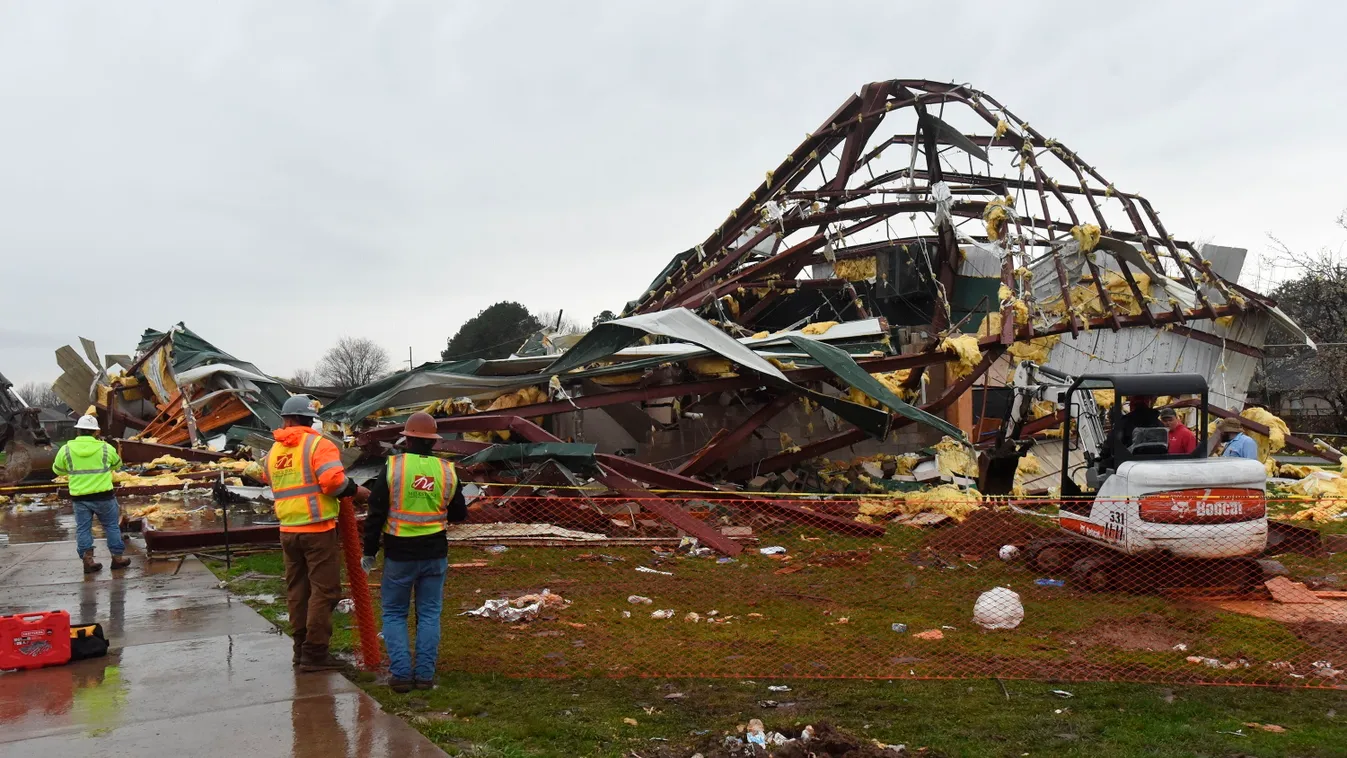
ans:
(425, 684)
(90, 566)
(120, 562)
(299, 650)
(325, 662)
(401, 685)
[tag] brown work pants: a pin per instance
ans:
(312, 586)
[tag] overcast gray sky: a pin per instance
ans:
(277, 175)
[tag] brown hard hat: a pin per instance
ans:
(1231, 425)
(421, 425)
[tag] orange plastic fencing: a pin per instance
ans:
(367, 639)
(1192, 587)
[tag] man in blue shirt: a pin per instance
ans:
(1237, 443)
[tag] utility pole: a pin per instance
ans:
(410, 365)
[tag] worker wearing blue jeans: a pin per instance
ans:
(109, 515)
(410, 505)
(88, 463)
(401, 579)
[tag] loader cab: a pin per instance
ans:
(1111, 438)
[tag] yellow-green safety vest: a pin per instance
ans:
(89, 465)
(294, 483)
(419, 490)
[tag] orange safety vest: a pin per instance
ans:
(419, 490)
(300, 500)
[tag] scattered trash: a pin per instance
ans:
(1050, 582)
(525, 608)
(693, 617)
(767, 704)
(930, 634)
(807, 733)
(712, 614)
(626, 614)
(639, 600)
(777, 739)
(1008, 552)
(1208, 662)
(630, 721)
(1236, 733)
(899, 628)
(1324, 669)
(1062, 693)
(725, 559)
(778, 688)
(774, 550)
(1181, 647)
(998, 608)
(345, 605)
(756, 734)
(1266, 727)
(674, 696)
(648, 570)
(497, 549)
(664, 614)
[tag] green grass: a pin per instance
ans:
(600, 659)
(482, 715)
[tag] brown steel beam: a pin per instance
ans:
(1211, 339)
(720, 451)
(665, 480)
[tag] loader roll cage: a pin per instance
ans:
(1112, 452)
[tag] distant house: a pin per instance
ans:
(58, 423)
(1293, 390)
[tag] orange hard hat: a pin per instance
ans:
(422, 426)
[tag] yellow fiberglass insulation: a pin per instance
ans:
(947, 499)
(996, 216)
(1272, 442)
(169, 461)
(520, 397)
(856, 269)
(783, 365)
(1104, 398)
(953, 457)
(1042, 409)
(762, 335)
(731, 305)
(821, 327)
(893, 380)
(1087, 235)
(1034, 350)
(1029, 465)
(712, 367)
(877, 510)
(906, 463)
(965, 346)
(618, 380)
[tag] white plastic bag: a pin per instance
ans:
(998, 608)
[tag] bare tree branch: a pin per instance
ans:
(39, 395)
(352, 362)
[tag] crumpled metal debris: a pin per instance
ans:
(525, 608)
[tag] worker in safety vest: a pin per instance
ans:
(307, 479)
(409, 505)
(89, 462)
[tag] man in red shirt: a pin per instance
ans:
(1182, 441)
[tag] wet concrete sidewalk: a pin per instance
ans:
(192, 672)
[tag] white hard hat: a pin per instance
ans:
(87, 422)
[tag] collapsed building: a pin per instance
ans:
(890, 269)
(867, 300)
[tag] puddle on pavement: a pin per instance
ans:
(53, 520)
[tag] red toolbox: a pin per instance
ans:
(34, 640)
